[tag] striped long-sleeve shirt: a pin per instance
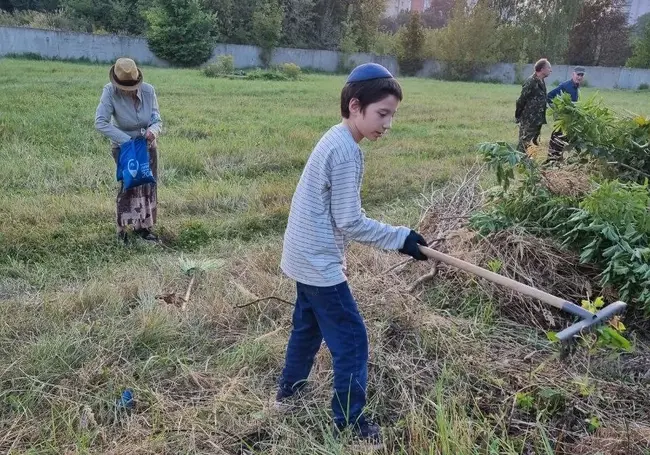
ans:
(326, 213)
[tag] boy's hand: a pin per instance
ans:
(411, 246)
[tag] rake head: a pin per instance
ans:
(589, 320)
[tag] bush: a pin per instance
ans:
(224, 68)
(609, 227)
(181, 32)
(410, 48)
(644, 86)
(291, 70)
(225, 65)
(266, 75)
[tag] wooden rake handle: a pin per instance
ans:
(496, 278)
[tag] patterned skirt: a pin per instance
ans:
(137, 207)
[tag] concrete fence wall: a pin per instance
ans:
(107, 48)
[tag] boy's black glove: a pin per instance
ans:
(411, 246)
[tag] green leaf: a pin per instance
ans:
(617, 340)
(588, 255)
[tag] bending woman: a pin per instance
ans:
(127, 109)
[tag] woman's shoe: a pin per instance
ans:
(146, 234)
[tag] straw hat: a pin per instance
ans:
(125, 75)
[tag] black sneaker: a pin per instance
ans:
(364, 431)
(146, 234)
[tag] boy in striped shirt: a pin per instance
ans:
(325, 214)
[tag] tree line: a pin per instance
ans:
(585, 32)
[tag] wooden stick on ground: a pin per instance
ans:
(424, 278)
(186, 298)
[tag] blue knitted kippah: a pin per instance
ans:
(368, 71)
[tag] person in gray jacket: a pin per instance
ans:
(128, 108)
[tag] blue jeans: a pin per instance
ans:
(330, 313)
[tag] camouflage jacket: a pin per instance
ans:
(531, 105)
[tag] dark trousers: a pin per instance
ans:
(528, 134)
(556, 146)
(330, 313)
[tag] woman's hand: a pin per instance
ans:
(150, 136)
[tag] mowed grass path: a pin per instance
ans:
(79, 317)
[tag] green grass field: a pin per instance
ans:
(79, 318)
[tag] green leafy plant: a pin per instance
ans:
(611, 229)
(525, 401)
(502, 158)
(545, 402)
(593, 129)
(594, 423)
(527, 204)
(494, 265)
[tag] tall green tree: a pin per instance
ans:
(600, 36)
(181, 32)
(267, 28)
(410, 54)
(546, 25)
(298, 23)
(470, 40)
(369, 14)
(330, 16)
(641, 51)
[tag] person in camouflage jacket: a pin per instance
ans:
(530, 112)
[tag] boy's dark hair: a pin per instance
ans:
(541, 64)
(368, 92)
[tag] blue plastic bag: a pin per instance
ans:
(133, 164)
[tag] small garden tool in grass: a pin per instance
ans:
(588, 320)
(191, 268)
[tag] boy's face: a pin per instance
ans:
(377, 117)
